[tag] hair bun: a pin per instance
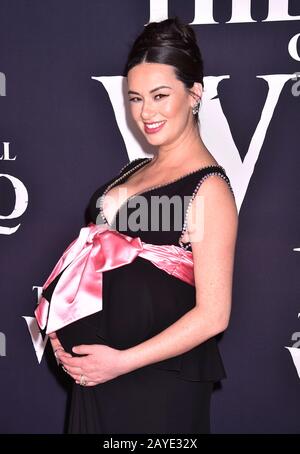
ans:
(186, 33)
(170, 32)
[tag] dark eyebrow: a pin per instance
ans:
(151, 91)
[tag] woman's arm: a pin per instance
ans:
(212, 229)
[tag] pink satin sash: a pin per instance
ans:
(97, 249)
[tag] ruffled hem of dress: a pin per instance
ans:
(202, 363)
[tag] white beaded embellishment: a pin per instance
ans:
(115, 182)
(127, 164)
(222, 175)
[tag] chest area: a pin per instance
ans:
(157, 215)
(136, 191)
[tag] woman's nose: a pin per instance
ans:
(147, 111)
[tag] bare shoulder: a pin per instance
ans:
(213, 207)
(216, 186)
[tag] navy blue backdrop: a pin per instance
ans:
(63, 134)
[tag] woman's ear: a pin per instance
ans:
(197, 89)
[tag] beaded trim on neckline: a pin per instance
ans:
(222, 175)
(130, 171)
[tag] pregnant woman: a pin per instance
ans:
(134, 304)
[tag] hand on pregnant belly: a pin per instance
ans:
(99, 364)
(56, 346)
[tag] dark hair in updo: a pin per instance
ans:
(173, 43)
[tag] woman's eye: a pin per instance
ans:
(162, 96)
(134, 99)
(139, 99)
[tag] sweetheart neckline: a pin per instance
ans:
(115, 182)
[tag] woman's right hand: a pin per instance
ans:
(56, 346)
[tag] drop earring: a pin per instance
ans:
(195, 109)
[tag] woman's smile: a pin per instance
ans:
(151, 128)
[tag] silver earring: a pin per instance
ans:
(195, 109)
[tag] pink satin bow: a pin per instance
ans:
(97, 249)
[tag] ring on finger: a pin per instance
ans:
(56, 350)
(82, 380)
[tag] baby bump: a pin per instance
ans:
(139, 301)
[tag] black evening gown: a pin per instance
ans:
(139, 301)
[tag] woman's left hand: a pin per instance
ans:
(100, 364)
